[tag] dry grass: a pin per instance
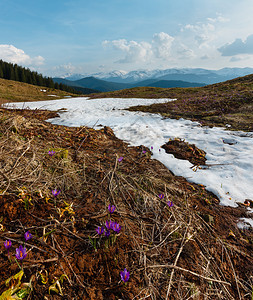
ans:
(14, 91)
(172, 253)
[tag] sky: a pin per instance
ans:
(91, 36)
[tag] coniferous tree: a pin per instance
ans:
(17, 73)
(22, 76)
(28, 76)
(1, 71)
(5, 70)
(16, 76)
(40, 80)
(33, 78)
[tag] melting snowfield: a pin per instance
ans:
(229, 170)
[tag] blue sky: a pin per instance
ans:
(89, 36)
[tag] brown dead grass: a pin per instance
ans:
(192, 250)
(14, 91)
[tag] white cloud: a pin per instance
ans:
(159, 48)
(181, 51)
(12, 54)
(163, 48)
(67, 68)
(218, 19)
(206, 32)
(238, 47)
(205, 57)
(161, 45)
(134, 51)
(203, 32)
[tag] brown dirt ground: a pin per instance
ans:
(183, 150)
(193, 250)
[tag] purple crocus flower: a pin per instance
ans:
(124, 275)
(55, 192)
(116, 227)
(28, 236)
(161, 196)
(151, 148)
(109, 224)
(107, 233)
(144, 151)
(51, 153)
(100, 230)
(170, 203)
(120, 159)
(7, 245)
(21, 252)
(111, 208)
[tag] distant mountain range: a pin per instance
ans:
(99, 85)
(117, 80)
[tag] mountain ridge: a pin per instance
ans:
(99, 85)
(201, 75)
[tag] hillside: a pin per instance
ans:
(14, 91)
(82, 88)
(228, 103)
(93, 83)
(56, 184)
(167, 83)
(107, 86)
(18, 73)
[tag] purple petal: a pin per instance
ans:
(170, 203)
(107, 233)
(111, 208)
(21, 253)
(100, 230)
(116, 227)
(28, 236)
(51, 153)
(55, 192)
(124, 275)
(7, 244)
(109, 224)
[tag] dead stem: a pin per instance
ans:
(183, 242)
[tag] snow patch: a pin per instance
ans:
(229, 169)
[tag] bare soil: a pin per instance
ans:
(183, 150)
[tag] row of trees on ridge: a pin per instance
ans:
(17, 73)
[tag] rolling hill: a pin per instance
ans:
(167, 83)
(98, 85)
(228, 103)
(93, 83)
(76, 86)
(15, 91)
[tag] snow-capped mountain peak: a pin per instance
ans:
(188, 74)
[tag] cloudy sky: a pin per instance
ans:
(88, 36)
